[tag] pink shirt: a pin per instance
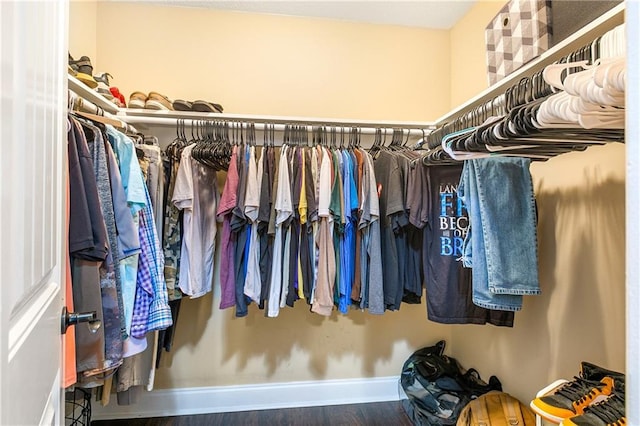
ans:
(227, 203)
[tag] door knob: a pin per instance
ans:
(72, 318)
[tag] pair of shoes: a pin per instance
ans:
(582, 400)
(199, 106)
(153, 100)
(82, 70)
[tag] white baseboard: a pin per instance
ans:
(224, 399)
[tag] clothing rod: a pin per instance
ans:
(413, 130)
(275, 119)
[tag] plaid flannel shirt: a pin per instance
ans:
(151, 310)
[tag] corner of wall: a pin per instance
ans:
(468, 62)
(83, 21)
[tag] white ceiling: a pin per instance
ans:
(441, 14)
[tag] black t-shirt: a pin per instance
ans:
(392, 219)
(87, 230)
(448, 283)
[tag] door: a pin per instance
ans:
(32, 159)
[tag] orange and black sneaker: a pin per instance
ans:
(570, 399)
(609, 412)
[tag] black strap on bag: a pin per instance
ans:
(438, 388)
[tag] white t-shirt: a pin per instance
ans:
(324, 192)
(252, 191)
(284, 203)
(284, 209)
(196, 193)
(252, 282)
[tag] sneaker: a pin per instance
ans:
(571, 398)
(103, 78)
(103, 85)
(609, 412)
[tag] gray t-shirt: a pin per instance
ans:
(390, 191)
(371, 254)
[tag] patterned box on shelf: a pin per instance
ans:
(520, 32)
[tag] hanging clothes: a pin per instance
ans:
(196, 193)
(284, 208)
(224, 213)
(252, 284)
(110, 283)
(371, 274)
(239, 233)
(88, 247)
(447, 281)
(266, 222)
(117, 266)
(498, 284)
(172, 232)
(335, 226)
(133, 184)
(393, 218)
(138, 369)
(322, 301)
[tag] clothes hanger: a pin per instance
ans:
(420, 142)
(99, 118)
(272, 135)
(286, 134)
(377, 143)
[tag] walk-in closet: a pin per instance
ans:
(261, 98)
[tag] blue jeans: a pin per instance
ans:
(501, 243)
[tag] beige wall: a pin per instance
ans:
(294, 66)
(82, 29)
(468, 60)
(214, 348)
(276, 65)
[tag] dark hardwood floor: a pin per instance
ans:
(374, 414)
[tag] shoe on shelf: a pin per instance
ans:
(609, 412)
(158, 101)
(103, 78)
(182, 105)
(137, 100)
(204, 106)
(103, 85)
(573, 397)
(84, 70)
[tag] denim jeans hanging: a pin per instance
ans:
(501, 245)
